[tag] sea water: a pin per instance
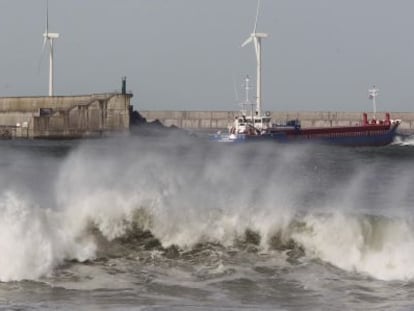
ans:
(174, 222)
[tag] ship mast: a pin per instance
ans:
(246, 90)
(247, 102)
(373, 93)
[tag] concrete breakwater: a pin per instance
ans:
(107, 113)
(215, 120)
(64, 116)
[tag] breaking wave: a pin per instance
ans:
(376, 246)
(132, 195)
(33, 241)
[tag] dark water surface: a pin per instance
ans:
(176, 223)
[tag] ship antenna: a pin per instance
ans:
(373, 93)
(247, 99)
(247, 88)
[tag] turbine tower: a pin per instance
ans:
(48, 39)
(256, 38)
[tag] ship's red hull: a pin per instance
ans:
(364, 135)
(373, 133)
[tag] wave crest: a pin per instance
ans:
(33, 241)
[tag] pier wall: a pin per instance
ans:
(64, 116)
(215, 120)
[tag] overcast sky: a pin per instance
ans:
(186, 54)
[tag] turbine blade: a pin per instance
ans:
(41, 54)
(249, 39)
(47, 16)
(44, 44)
(257, 16)
(256, 48)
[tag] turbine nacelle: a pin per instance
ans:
(260, 35)
(51, 35)
(257, 35)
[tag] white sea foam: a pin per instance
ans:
(194, 194)
(34, 240)
(189, 200)
(405, 141)
(379, 247)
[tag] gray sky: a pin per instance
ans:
(186, 54)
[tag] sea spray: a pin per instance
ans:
(187, 193)
(377, 246)
(193, 193)
(404, 140)
(33, 241)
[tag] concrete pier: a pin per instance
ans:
(215, 120)
(64, 116)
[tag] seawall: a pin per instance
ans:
(64, 116)
(215, 120)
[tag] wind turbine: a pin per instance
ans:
(48, 39)
(256, 38)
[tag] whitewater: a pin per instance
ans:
(173, 222)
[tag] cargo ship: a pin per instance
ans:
(260, 128)
(256, 126)
(253, 127)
